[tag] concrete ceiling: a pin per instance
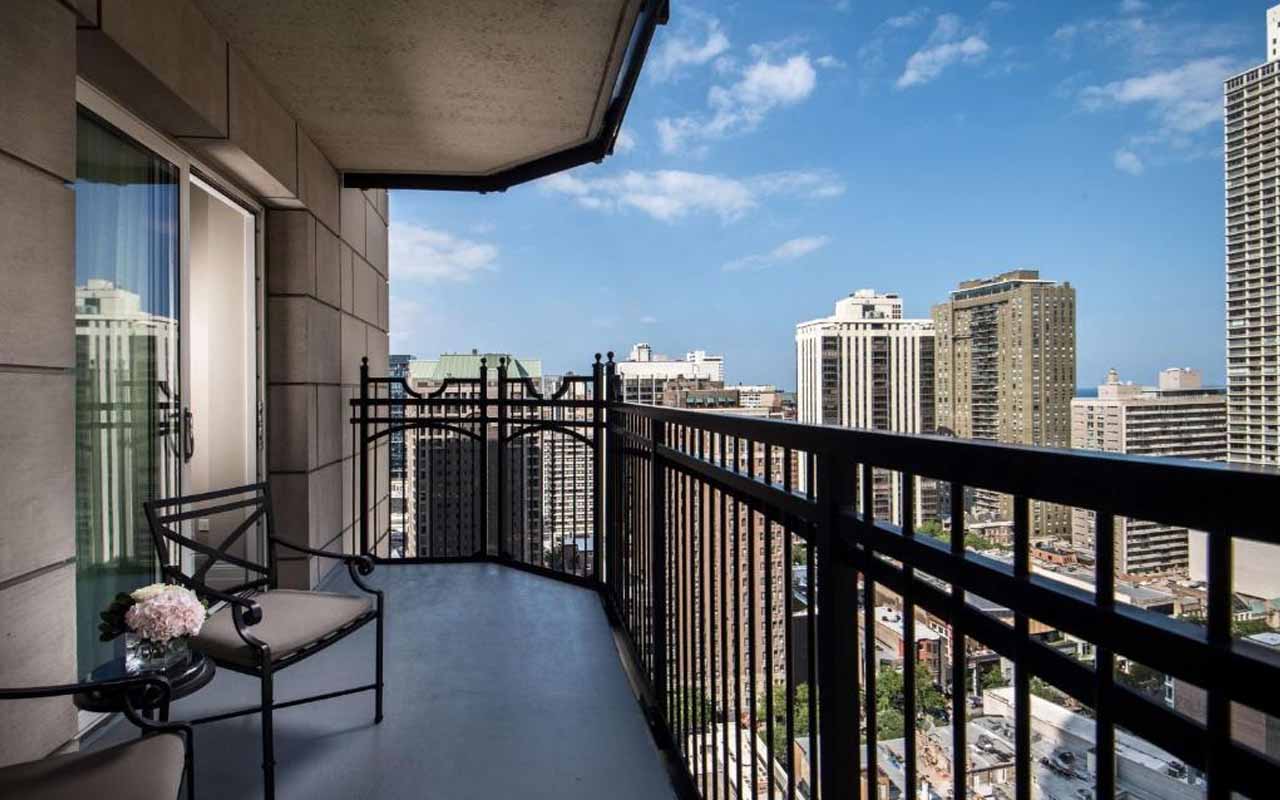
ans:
(431, 86)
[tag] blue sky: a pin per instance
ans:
(775, 161)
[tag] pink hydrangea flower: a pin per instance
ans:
(166, 614)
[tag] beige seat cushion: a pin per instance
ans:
(141, 769)
(291, 620)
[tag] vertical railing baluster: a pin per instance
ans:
(752, 636)
(769, 713)
(909, 676)
(1022, 677)
(364, 458)
(1218, 713)
(483, 443)
(736, 526)
(722, 623)
(658, 552)
(504, 517)
(867, 487)
(959, 712)
(838, 651)
(1104, 658)
(788, 657)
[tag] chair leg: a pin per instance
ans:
(190, 759)
(268, 736)
(377, 716)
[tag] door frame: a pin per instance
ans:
(192, 167)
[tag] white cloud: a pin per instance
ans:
(999, 6)
(1133, 6)
(829, 62)
(648, 319)
(1184, 99)
(429, 255)
(684, 48)
(741, 106)
(908, 20)
(625, 143)
(669, 195)
(947, 45)
(1128, 161)
(1148, 39)
(803, 183)
(790, 250)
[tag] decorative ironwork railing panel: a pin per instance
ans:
(496, 465)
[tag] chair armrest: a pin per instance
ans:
(358, 566)
(143, 681)
(246, 607)
(147, 682)
(363, 564)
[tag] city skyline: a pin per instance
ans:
(1083, 141)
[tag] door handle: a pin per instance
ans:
(188, 435)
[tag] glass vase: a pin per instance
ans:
(144, 655)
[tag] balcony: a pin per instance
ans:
(722, 571)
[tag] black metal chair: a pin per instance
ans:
(151, 767)
(263, 629)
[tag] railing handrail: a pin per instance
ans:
(1202, 495)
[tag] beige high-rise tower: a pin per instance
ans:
(1253, 359)
(1250, 128)
(1006, 371)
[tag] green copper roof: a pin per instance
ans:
(467, 365)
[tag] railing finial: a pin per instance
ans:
(484, 361)
(610, 354)
(597, 358)
(364, 360)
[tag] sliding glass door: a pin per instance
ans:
(129, 432)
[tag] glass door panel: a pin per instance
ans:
(129, 433)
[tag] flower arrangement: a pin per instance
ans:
(157, 613)
(156, 621)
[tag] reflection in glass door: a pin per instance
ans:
(129, 431)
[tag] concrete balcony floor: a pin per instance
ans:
(499, 683)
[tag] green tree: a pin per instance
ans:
(890, 699)
(933, 528)
(1142, 678)
(690, 699)
(1040, 688)
(777, 742)
(992, 678)
(1249, 627)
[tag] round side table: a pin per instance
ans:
(184, 679)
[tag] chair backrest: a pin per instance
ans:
(164, 516)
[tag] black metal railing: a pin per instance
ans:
(496, 465)
(760, 597)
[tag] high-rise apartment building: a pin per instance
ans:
(1006, 370)
(644, 374)
(1251, 129)
(1176, 418)
(867, 367)
(397, 367)
(1253, 277)
(442, 467)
